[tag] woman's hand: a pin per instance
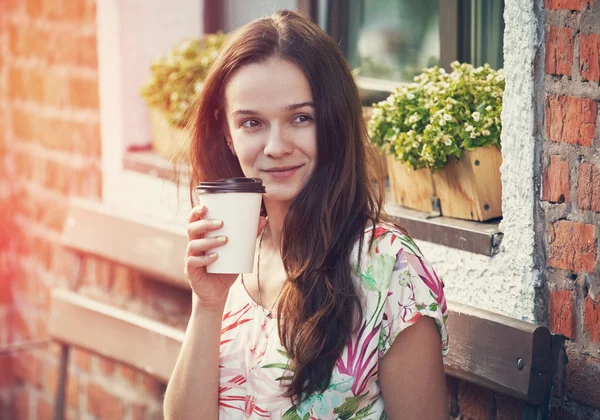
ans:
(210, 289)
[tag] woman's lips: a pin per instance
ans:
(283, 174)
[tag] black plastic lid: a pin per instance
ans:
(231, 185)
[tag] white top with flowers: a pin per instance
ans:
(398, 287)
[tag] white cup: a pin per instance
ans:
(237, 202)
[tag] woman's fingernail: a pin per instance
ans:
(212, 256)
(217, 222)
(222, 239)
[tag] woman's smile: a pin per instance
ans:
(282, 172)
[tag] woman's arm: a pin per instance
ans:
(411, 374)
(193, 390)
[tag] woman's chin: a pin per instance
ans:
(281, 193)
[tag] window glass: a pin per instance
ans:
(393, 39)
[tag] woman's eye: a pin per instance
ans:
(302, 118)
(250, 124)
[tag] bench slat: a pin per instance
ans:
(146, 344)
(154, 249)
(485, 349)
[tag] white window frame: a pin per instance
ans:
(130, 34)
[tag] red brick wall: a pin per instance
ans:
(50, 134)
(570, 210)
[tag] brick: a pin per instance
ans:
(84, 92)
(27, 84)
(588, 190)
(24, 164)
(452, 385)
(107, 366)
(53, 211)
(562, 313)
(19, 404)
(138, 412)
(104, 273)
(58, 176)
(556, 184)
(591, 318)
(34, 8)
(103, 404)
(26, 41)
(559, 51)
(83, 359)
(589, 57)
(6, 296)
(475, 402)
(583, 378)
(123, 282)
(153, 387)
(44, 409)
(570, 120)
(20, 326)
(80, 11)
(6, 379)
(128, 373)
(572, 246)
(28, 368)
(41, 325)
(88, 182)
(562, 413)
(565, 4)
(23, 124)
(73, 391)
(56, 89)
(508, 408)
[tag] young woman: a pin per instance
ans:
(320, 329)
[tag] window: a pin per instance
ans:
(391, 41)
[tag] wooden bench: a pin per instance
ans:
(497, 352)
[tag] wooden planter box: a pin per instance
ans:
(167, 140)
(467, 189)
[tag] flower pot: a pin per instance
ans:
(167, 140)
(467, 189)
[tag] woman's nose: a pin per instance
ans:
(277, 143)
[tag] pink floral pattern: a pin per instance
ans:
(398, 287)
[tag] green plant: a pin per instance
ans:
(177, 77)
(440, 115)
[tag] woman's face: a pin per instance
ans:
(271, 125)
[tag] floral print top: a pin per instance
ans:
(398, 287)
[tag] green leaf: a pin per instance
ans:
(383, 416)
(275, 365)
(291, 414)
(433, 307)
(349, 407)
(283, 353)
(364, 412)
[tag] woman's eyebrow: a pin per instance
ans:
(286, 108)
(297, 106)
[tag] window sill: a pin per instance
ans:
(477, 237)
(150, 163)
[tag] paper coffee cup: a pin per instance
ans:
(237, 202)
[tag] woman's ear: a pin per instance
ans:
(225, 129)
(230, 144)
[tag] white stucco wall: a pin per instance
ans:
(505, 282)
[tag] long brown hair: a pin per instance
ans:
(320, 304)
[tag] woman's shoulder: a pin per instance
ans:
(389, 239)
